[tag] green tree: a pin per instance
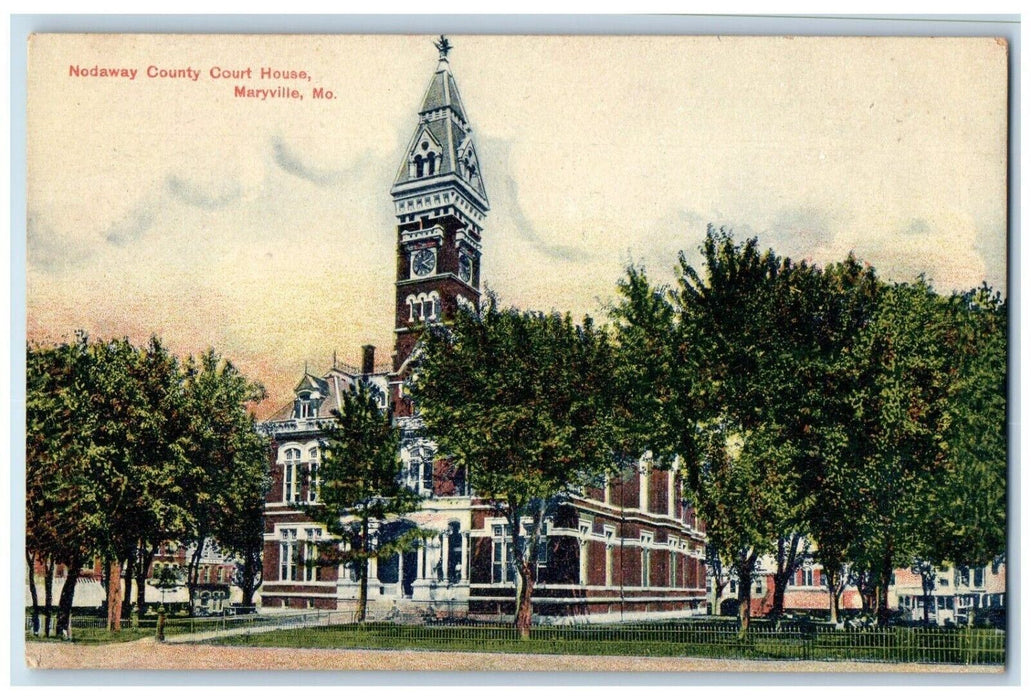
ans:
(903, 363)
(61, 514)
(229, 460)
(360, 491)
(970, 503)
(753, 323)
(523, 402)
(118, 448)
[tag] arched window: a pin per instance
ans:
(418, 166)
(291, 466)
(432, 160)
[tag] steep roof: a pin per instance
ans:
(443, 115)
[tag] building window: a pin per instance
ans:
(807, 577)
(978, 577)
(672, 563)
(646, 560)
(291, 467)
(542, 548)
(313, 476)
(310, 553)
(502, 564)
(287, 555)
(610, 543)
(427, 475)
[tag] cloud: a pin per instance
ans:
(292, 163)
(195, 195)
(48, 250)
(132, 226)
(516, 215)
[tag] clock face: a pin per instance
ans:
(424, 262)
(465, 267)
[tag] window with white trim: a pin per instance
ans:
(310, 553)
(672, 562)
(610, 543)
(313, 476)
(291, 467)
(502, 560)
(646, 559)
(584, 529)
(288, 554)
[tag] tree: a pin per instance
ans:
(359, 490)
(903, 363)
(117, 447)
(970, 501)
(229, 459)
(60, 514)
(523, 402)
(752, 323)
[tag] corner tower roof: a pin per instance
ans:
(441, 150)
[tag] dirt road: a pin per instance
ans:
(146, 654)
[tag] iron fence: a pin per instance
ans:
(90, 628)
(711, 639)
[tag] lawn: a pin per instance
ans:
(892, 645)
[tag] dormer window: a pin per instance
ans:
(306, 405)
(425, 160)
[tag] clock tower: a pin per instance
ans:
(440, 204)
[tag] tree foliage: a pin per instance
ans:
(359, 488)
(824, 405)
(116, 450)
(523, 402)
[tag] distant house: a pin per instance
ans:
(958, 593)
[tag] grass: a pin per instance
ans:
(893, 645)
(90, 630)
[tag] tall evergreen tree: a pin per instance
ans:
(360, 492)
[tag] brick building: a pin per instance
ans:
(629, 549)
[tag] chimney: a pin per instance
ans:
(368, 358)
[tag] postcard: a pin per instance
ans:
(515, 352)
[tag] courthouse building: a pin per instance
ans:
(630, 549)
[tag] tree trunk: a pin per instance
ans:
(193, 572)
(524, 613)
(250, 576)
(834, 589)
(114, 596)
(142, 568)
(129, 577)
(30, 567)
(744, 601)
(787, 564)
(832, 602)
(883, 582)
(48, 594)
(363, 574)
(64, 603)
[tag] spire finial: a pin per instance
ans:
(444, 46)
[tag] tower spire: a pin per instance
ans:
(444, 46)
(440, 205)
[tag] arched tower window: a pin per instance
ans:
(418, 166)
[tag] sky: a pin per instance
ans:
(264, 228)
